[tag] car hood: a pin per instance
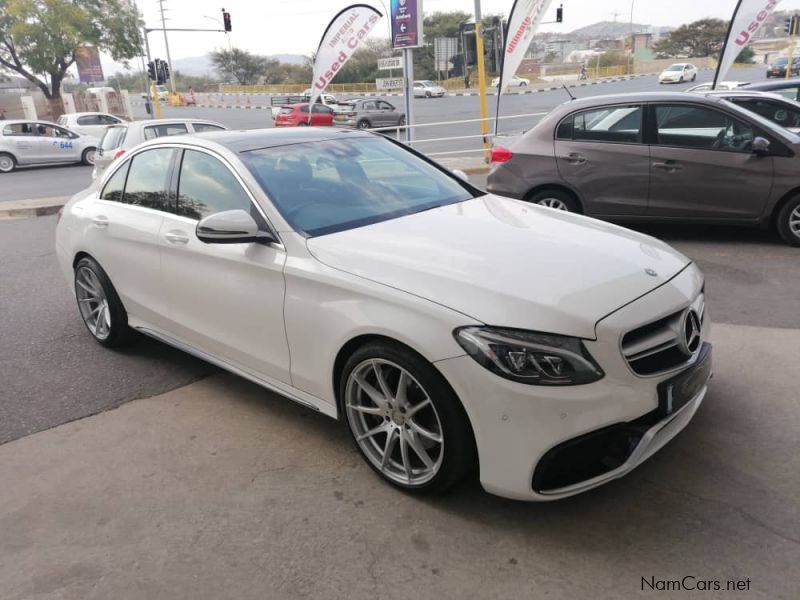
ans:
(508, 263)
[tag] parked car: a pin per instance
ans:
(89, 123)
(161, 91)
(788, 88)
(348, 273)
(657, 157)
(296, 115)
(25, 143)
(515, 82)
(428, 89)
(118, 139)
(722, 85)
(678, 73)
(777, 67)
(369, 113)
(773, 107)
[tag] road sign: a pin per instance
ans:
(406, 23)
(386, 64)
(389, 83)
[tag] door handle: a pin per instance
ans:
(669, 165)
(176, 237)
(100, 221)
(574, 158)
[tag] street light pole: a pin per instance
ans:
(633, 45)
(227, 35)
(481, 79)
(166, 44)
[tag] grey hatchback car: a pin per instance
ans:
(671, 157)
(369, 113)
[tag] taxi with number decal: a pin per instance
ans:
(25, 143)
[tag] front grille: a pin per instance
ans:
(656, 347)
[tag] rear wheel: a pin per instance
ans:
(7, 163)
(557, 199)
(100, 307)
(402, 121)
(363, 124)
(88, 155)
(405, 420)
(788, 222)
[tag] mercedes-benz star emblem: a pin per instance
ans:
(691, 330)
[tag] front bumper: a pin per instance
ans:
(517, 426)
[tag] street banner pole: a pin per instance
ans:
(481, 79)
(406, 28)
(748, 16)
(339, 42)
(523, 21)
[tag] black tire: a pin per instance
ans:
(427, 94)
(681, 79)
(459, 457)
(85, 157)
(402, 121)
(523, 84)
(569, 201)
(694, 76)
(789, 213)
(119, 332)
(8, 159)
(363, 124)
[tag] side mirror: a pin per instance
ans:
(229, 227)
(760, 146)
(460, 174)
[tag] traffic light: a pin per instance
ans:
(226, 19)
(151, 71)
(164, 71)
(560, 14)
(792, 25)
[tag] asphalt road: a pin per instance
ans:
(41, 182)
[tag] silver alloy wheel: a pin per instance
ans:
(90, 156)
(556, 203)
(92, 303)
(6, 164)
(394, 422)
(794, 221)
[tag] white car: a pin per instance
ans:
(89, 123)
(428, 89)
(721, 86)
(515, 82)
(118, 139)
(161, 91)
(24, 143)
(678, 73)
(450, 329)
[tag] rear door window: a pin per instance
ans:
(200, 127)
(619, 124)
(89, 120)
(19, 129)
(148, 179)
(166, 129)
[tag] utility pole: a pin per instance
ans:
(633, 42)
(166, 44)
(794, 24)
(481, 79)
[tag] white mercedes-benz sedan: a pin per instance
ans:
(453, 331)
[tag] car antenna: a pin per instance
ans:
(566, 89)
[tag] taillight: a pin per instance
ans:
(500, 155)
(118, 154)
(351, 115)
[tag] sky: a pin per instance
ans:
(295, 26)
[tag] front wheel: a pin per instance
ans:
(87, 158)
(405, 420)
(427, 94)
(7, 163)
(681, 79)
(694, 76)
(100, 307)
(788, 222)
(523, 84)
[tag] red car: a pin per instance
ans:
(296, 115)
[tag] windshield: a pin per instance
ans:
(780, 62)
(334, 185)
(676, 68)
(427, 83)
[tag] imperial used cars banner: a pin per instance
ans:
(748, 17)
(342, 37)
(523, 21)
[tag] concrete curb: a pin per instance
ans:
(32, 207)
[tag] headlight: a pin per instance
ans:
(529, 356)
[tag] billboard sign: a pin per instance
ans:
(406, 23)
(387, 64)
(389, 83)
(89, 68)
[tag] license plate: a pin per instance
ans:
(339, 118)
(675, 393)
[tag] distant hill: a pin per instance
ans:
(609, 30)
(292, 59)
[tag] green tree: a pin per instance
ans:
(38, 38)
(700, 38)
(239, 65)
(746, 56)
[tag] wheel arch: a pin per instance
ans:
(557, 187)
(772, 219)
